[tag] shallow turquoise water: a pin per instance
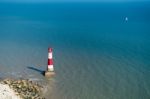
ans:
(97, 54)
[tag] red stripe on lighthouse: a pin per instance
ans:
(50, 50)
(50, 61)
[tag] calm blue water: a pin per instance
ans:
(97, 54)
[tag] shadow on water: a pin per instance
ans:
(36, 69)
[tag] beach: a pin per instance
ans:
(20, 89)
(7, 93)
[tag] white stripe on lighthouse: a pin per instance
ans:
(50, 68)
(50, 55)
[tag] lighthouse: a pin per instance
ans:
(50, 67)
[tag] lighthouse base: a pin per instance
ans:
(49, 73)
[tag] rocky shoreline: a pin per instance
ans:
(25, 89)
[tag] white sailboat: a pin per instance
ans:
(126, 19)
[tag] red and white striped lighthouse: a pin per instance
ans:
(50, 68)
(50, 60)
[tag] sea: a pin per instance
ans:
(101, 50)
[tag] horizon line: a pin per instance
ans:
(116, 1)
